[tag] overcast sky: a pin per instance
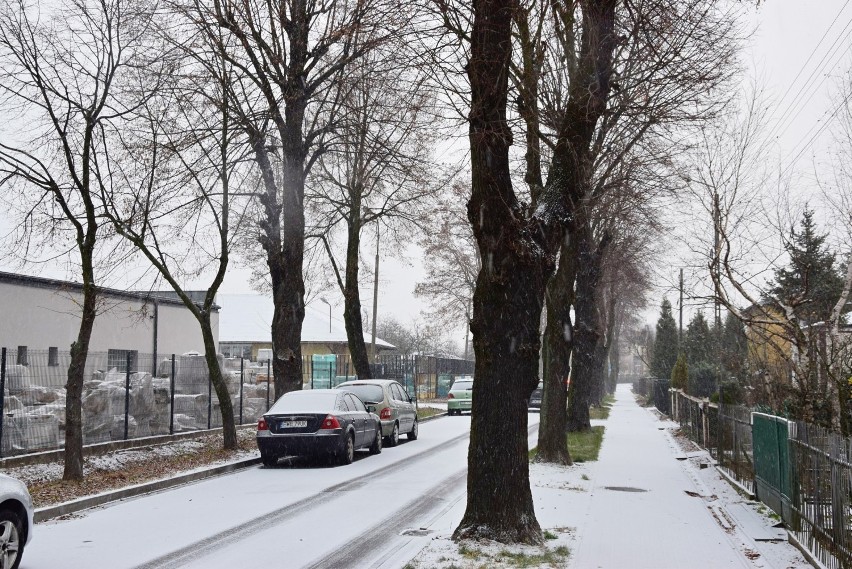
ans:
(797, 51)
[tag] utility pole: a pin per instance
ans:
(680, 317)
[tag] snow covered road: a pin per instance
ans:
(298, 515)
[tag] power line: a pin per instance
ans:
(827, 57)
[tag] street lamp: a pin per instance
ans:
(322, 299)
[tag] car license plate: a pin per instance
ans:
(292, 424)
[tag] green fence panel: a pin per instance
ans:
(772, 470)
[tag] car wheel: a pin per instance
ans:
(348, 454)
(268, 460)
(393, 439)
(11, 539)
(376, 447)
(412, 434)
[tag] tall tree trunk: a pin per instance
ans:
(284, 240)
(615, 353)
(352, 296)
(556, 359)
(587, 354)
(229, 430)
(73, 469)
(507, 302)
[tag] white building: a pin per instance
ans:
(246, 327)
(43, 315)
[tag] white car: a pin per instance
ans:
(16, 521)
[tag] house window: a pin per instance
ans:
(118, 359)
(53, 357)
(22, 355)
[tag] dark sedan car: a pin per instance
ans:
(320, 423)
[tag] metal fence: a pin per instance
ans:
(801, 471)
(734, 447)
(427, 377)
(128, 395)
(689, 412)
(821, 500)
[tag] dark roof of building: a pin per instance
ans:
(162, 297)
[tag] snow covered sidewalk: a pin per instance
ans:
(637, 507)
(649, 510)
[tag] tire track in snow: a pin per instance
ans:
(377, 538)
(208, 545)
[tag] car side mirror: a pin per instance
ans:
(411, 400)
(371, 408)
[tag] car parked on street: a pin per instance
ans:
(16, 521)
(536, 395)
(460, 396)
(391, 402)
(327, 423)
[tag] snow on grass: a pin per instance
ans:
(555, 491)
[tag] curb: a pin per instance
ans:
(806, 553)
(50, 512)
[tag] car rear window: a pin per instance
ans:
(459, 385)
(366, 393)
(305, 402)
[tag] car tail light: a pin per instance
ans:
(262, 425)
(330, 422)
(385, 413)
(450, 396)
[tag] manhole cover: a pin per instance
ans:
(625, 489)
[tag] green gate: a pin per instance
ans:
(772, 472)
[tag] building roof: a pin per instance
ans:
(162, 297)
(248, 318)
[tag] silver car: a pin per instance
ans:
(391, 402)
(16, 521)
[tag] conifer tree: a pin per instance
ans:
(811, 283)
(665, 343)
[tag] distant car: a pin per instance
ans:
(16, 521)
(391, 402)
(320, 423)
(460, 396)
(536, 395)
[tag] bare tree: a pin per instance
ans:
(176, 205)
(375, 169)
(451, 259)
(800, 358)
(65, 68)
(517, 244)
(286, 57)
(668, 71)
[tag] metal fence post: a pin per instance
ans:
(209, 399)
(126, 395)
(172, 396)
(268, 381)
(242, 360)
(2, 394)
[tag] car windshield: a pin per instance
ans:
(366, 393)
(462, 385)
(305, 402)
